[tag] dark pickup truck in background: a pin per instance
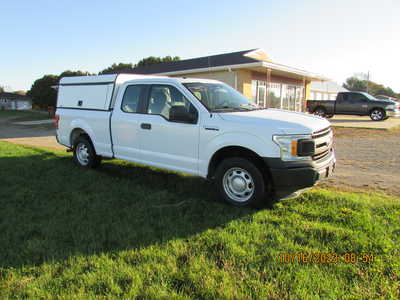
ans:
(355, 103)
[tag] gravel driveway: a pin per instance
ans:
(366, 159)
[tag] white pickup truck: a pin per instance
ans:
(196, 126)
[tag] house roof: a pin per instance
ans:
(234, 58)
(13, 96)
(327, 87)
(254, 59)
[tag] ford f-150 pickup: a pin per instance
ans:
(355, 103)
(196, 126)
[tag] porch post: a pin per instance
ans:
(304, 102)
(267, 104)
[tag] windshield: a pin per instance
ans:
(370, 97)
(220, 97)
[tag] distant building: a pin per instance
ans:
(325, 90)
(12, 101)
(251, 72)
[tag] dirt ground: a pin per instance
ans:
(367, 159)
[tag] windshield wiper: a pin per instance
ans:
(230, 108)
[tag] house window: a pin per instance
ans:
(275, 95)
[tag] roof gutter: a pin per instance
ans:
(263, 64)
(218, 68)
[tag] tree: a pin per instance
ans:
(42, 93)
(355, 84)
(69, 73)
(117, 68)
(20, 92)
(152, 60)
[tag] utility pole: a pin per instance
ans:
(367, 80)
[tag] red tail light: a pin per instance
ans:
(56, 119)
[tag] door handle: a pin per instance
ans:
(145, 126)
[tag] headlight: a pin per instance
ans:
(295, 147)
(391, 107)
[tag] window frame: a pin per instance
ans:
(142, 97)
(146, 103)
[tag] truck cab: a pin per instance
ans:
(196, 126)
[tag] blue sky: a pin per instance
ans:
(333, 38)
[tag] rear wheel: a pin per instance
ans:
(377, 114)
(84, 153)
(239, 182)
(320, 111)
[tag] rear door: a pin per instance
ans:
(166, 143)
(125, 121)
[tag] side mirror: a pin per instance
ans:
(179, 113)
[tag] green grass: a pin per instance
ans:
(124, 231)
(20, 115)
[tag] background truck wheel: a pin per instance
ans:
(377, 114)
(84, 153)
(320, 111)
(239, 182)
(329, 116)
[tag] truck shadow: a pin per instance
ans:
(52, 210)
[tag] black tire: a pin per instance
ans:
(320, 111)
(377, 114)
(242, 174)
(89, 160)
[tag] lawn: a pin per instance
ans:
(125, 231)
(20, 115)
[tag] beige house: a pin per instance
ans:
(252, 72)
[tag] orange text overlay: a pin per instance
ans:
(328, 258)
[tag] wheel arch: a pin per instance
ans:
(236, 151)
(377, 107)
(320, 107)
(76, 133)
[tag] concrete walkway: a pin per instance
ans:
(39, 122)
(364, 122)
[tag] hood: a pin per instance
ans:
(388, 101)
(287, 122)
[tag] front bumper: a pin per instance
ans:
(393, 113)
(289, 177)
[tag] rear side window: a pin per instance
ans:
(130, 102)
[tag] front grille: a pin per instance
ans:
(323, 143)
(321, 133)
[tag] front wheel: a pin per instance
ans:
(239, 182)
(377, 114)
(320, 111)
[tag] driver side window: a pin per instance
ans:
(356, 98)
(164, 98)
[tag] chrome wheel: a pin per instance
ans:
(319, 112)
(238, 184)
(376, 115)
(82, 154)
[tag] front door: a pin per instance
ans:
(164, 143)
(352, 103)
